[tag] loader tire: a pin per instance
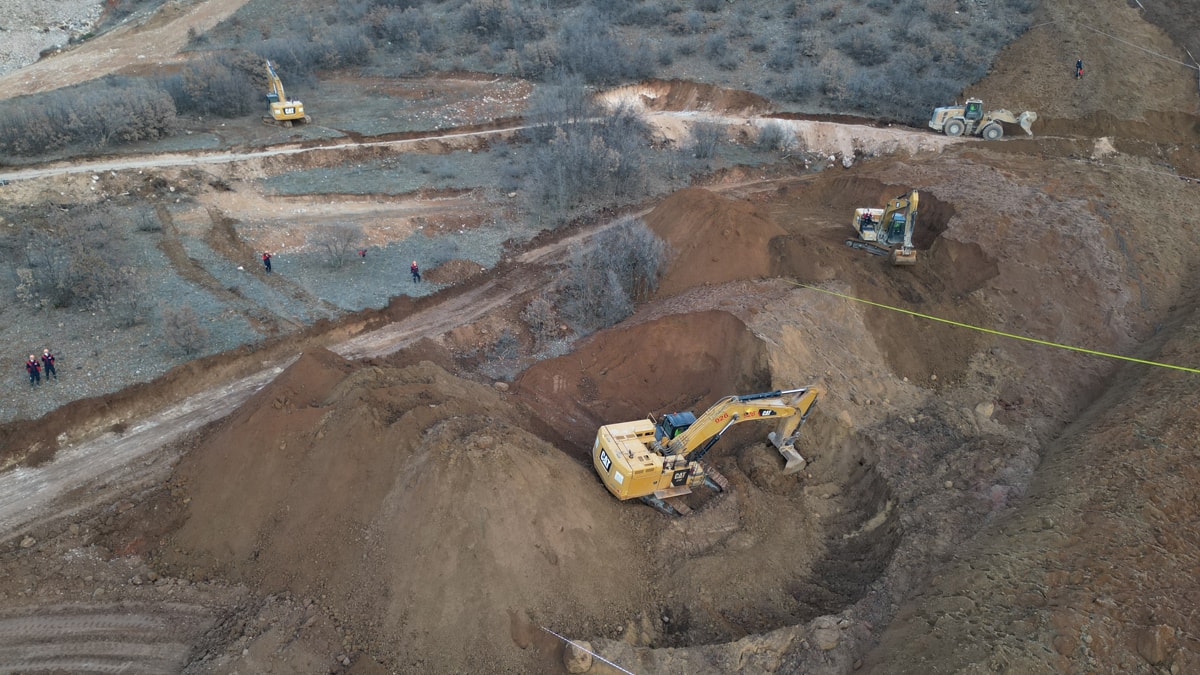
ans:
(992, 132)
(954, 128)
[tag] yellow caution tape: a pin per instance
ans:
(997, 332)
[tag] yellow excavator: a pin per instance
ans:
(657, 460)
(284, 111)
(889, 230)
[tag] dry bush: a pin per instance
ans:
(541, 318)
(337, 243)
(182, 330)
(603, 279)
(704, 139)
(775, 137)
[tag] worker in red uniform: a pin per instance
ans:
(48, 364)
(416, 272)
(35, 370)
(267, 261)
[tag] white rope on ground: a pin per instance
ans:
(1125, 42)
(582, 649)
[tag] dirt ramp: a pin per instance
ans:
(679, 362)
(714, 239)
(411, 507)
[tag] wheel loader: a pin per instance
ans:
(284, 111)
(970, 119)
(659, 460)
(889, 230)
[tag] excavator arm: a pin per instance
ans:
(275, 93)
(790, 408)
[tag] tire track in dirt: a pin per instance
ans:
(112, 463)
(101, 638)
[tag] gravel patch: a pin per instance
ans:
(28, 27)
(398, 174)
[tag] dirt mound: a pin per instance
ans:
(714, 239)
(674, 363)
(404, 502)
(453, 271)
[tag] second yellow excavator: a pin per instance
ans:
(889, 230)
(657, 460)
(284, 111)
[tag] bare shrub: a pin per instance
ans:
(635, 254)
(800, 85)
(587, 162)
(541, 318)
(704, 139)
(774, 136)
(866, 46)
(133, 306)
(182, 330)
(604, 279)
(95, 114)
(78, 259)
(588, 47)
(336, 243)
(507, 24)
(221, 85)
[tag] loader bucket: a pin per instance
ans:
(1026, 121)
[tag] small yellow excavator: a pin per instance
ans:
(284, 111)
(657, 460)
(970, 119)
(889, 230)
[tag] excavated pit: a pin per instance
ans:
(773, 551)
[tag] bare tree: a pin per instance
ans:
(337, 242)
(604, 279)
(182, 330)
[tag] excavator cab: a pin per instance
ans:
(895, 228)
(974, 110)
(672, 425)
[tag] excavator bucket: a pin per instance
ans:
(1026, 121)
(793, 461)
(899, 257)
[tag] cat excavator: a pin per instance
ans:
(889, 230)
(284, 111)
(659, 460)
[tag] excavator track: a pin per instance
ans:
(714, 479)
(667, 507)
(868, 247)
